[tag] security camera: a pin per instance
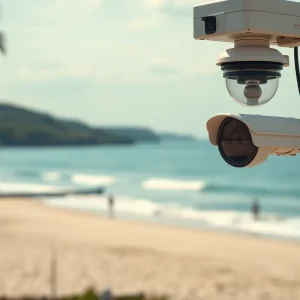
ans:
(247, 140)
(251, 68)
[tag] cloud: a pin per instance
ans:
(140, 24)
(64, 42)
(114, 73)
(48, 71)
(173, 7)
(92, 4)
(163, 66)
(155, 3)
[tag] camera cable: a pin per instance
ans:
(296, 59)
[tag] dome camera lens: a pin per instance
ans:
(252, 92)
(235, 143)
(252, 83)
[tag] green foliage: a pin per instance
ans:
(91, 294)
(22, 127)
(176, 137)
(135, 133)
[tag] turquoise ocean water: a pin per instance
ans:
(182, 183)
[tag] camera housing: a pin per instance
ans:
(278, 20)
(247, 140)
(251, 68)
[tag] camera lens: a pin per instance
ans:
(210, 24)
(252, 83)
(252, 92)
(235, 143)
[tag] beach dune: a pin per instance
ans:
(130, 256)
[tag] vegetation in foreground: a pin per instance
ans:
(91, 294)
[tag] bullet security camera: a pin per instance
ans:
(247, 140)
(251, 68)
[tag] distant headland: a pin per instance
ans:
(22, 127)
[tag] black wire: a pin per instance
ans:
(296, 59)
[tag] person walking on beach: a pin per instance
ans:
(111, 202)
(255, 209)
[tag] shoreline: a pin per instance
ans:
(227, 234)
(177, 223)
(130, 256)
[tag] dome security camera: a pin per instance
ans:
(252, 72)
(247, 140)
(252, 68)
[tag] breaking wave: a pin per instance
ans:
(172, 184)
(92, 180)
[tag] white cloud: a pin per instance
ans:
(170, 3)
(155, 3)
(164, 65)
(49, 72)
(173, 7)
(114, 73)
(92, 4)
(140, 24)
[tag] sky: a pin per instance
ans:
(117, 62)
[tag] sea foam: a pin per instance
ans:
(93, 180)
(173, 184)
(269, 224)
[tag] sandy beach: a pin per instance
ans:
(132, 256)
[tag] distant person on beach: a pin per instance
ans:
(111, 202)
(255, 209)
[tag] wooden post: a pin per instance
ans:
(53, 274)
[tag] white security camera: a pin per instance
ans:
(248, 140)
(252, 69)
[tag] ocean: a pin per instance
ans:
(179, 183)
